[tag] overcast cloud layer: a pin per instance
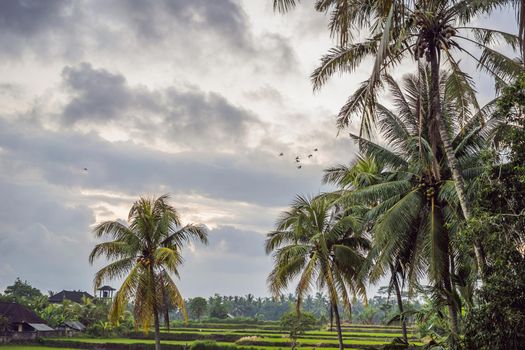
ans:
(192, 98)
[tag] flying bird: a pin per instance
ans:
(297, 160)
(85, 169)
(299, 166)
(310, 156)
(281, 154)
(315, 150)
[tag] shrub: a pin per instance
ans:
(211, 345)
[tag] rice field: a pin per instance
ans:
(261, 337)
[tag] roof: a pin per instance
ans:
(76, 325)
(41, 327)
(106, 288)
(71, 295)
(17, 313)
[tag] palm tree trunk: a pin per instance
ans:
(521, 19)
(451, 157)
(165, 304)
(451, 305)
(331, 317)
(155, 307)
(400, 306)
(338, 325)
(167, 315)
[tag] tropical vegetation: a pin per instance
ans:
(438, 178)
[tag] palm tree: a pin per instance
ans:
(426, 30)
(144, 252)
(323, 247)
(414, 206)
(362, 173)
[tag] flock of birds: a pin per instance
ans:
(298, 158)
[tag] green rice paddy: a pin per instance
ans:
(30, 347)
(258, 337)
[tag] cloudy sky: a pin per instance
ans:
(193, 98)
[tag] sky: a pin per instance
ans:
(191, 98)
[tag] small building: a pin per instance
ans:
(21, 319)
(71, 295)
(74, 326)
(106, 292)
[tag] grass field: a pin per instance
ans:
(30, 347)
(256, 336)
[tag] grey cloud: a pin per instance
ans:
(10, 90)
(29, 17)
(230, 240)
(43, 238)
(224, 17)
(34, 26)
(234, 263)
(252, 176)
(186, 116)
(180, 30)
(96, 94)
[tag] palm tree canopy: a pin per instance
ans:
(144, 253)
(396, 30)
(321, 246)
(409, 191)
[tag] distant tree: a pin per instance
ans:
(217, 308)
(198, 307)
(22, 289)
(297, 323)
(148, 247)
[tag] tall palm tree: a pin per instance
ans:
(432, 32)
(414, 206)
(362, 173)
(323, 247)
(144, 252)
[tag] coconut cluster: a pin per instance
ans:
(439, 34)
(143, 261)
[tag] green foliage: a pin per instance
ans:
(212, 345)
(298, 323)
(21, 291)
(57, 314)
(198, 307)
(497, 319)
(217, 308)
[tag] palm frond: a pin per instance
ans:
(343, 60)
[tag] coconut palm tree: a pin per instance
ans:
(364, 172)
(144, 252)
(322, 246)
(431, 32)
(414, 205)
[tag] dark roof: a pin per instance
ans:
(17, 313)
(71, 295)
(106, 288)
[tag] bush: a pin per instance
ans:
(298, 323)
